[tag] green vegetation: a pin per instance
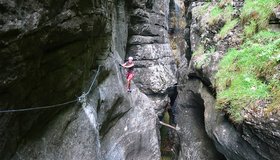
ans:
(227, 27)
(255, 15)
(219, 12)
(216, 11)
(250, 29)
(200, 11)
(249, 76)
(199, 50)
(227, 13)
(223, 3)
(202, 57)
(227, 17)
(215, 15)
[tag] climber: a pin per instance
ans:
(129, 65)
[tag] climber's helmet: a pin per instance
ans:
(130, 59)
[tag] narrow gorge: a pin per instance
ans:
(206, 80)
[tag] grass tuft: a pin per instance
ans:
(249, 75)
(200, 10)
(224, 3)
(227, 27)
(228, 12)
(255, 15)
(219, 12)
(215, 15)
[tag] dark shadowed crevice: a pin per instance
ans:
(206, 81)
(188, 29)
(194, 140)
(169, 137)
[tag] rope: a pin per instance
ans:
(80, 99)
(38, 108)
(98, 70)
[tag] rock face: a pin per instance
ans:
(110, 125)
(228, 140)
(128, 129)
(70, 135)
(274, 22)
(256, 138)
(148, 43)
(46, 58)
(263, 135)
(195, 143)
(49, 51)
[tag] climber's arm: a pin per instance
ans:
(127, 66)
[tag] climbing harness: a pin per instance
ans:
(81, 99)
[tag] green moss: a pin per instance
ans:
(199, 50)
(255, 15)
(224, 2)
(228, 12)
(215, 15)
(200, 10)
(202, 57)
(247, 75)
(218, 12)
(199, 57)
(264, 37)
(250, 29)
(227, 27)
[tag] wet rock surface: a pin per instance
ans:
(53, 56)
(262, 133)
(256, 138)
(50, 52)
(130, 132)
(70, 135)
(45, 59)
(194, 141)
(109, 125)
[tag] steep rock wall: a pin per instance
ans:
(256, 137)
(46, 58)
(51, 51)
(194, 141)
(149, 44)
